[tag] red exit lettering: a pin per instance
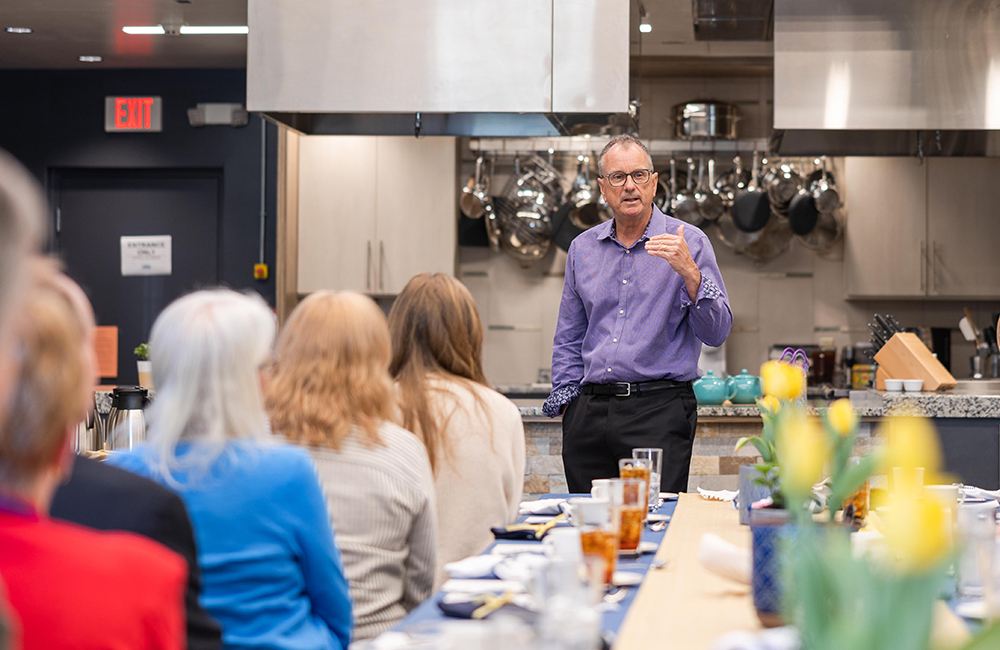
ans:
(133, 113)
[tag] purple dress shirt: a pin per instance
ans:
(626, 316)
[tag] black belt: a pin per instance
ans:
(625, 389)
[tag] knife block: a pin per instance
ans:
(904, 356)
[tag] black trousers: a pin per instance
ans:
(598, 430)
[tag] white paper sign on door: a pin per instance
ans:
(150, 255)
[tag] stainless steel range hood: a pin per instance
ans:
(893, 77)
(440, 67)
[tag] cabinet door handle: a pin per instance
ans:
(923, 266)
(933, 280)
(381, 264)
(368, 267)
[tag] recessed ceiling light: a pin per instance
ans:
(645, 28)
(19, 30)
(217, 29)
(91, 59)
(144, 29)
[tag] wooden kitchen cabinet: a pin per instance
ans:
(374, 211)
(885, 244)
(963, 227)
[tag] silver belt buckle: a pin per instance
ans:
(628, 389)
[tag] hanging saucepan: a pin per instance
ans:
(710, 202)
(586, 211)
(491, 216)
(664, 194)
(685, 206)
(824, 191)
(729, 185)
(475, 195)
(751, 209)
(782, 183)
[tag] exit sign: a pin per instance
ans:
(124, 114)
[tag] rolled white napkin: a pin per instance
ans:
(980, 493)
(519, 568)
(779, 638)
(476, 566)
(481, 586)
(542, 507)
(725, 559)
(718, 495)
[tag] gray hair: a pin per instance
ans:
(623, 140)
(206, 349)
(22, 212)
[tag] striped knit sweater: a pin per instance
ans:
(381, 504)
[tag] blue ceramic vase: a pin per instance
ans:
(770, 529)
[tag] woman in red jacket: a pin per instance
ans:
(68, 586)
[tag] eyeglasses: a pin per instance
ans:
(639, 177)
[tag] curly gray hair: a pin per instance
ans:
(623, 140)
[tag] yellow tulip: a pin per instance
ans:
(802, 453)
(911, 442)
(918, 532)
(842, 417)
(769, 403)
(782, 381)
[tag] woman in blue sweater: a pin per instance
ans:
(272, 574)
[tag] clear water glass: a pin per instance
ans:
(655, 457)
(977, 536)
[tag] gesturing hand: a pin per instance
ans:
(674, 249)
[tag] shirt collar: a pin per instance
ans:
(15, 506)
(657, 225)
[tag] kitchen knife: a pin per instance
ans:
(887, 329)
(895, 323)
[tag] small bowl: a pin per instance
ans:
(894, 385)
(913, 385)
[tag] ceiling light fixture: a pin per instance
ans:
(645, 28)
(19, 30)
(216, 29)
(91, 59)
(144, 29)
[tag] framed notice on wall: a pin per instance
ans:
(148, 255)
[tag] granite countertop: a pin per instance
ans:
(869, 404)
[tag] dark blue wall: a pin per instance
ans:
(55, 118)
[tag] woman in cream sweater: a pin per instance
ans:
(473, 434)
(330, 391)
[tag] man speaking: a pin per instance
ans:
(642, 293)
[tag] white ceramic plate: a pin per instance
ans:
(669, 496)
(970, 609)
(626, 578)
(655, 516)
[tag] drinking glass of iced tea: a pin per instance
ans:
(639, 468)
(597, 521)
(632, 515)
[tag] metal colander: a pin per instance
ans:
(524, 210)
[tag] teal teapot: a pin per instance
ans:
(711, 390)
(743, 388)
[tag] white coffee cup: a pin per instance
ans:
(564, 544)
(946, 495)
(600, 488)
(585, 511)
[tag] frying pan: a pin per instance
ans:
(685, 206)
(751, 209)
(802, 211)
(475, 195)
(710, 203)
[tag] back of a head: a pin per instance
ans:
(435, 327)
(51, 392)
(206, 349)
(22, 211)
(332, 371)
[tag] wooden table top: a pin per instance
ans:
(683, 605)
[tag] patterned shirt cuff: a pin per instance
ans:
(708, 290)
(560, 397)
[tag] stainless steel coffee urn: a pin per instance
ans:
(126, 421)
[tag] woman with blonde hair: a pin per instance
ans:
(271, 571)
(473, 434)
(330, 391)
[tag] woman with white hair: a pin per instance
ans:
(272, 574)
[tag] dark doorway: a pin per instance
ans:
(96, 207)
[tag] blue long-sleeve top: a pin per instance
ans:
(272, 573)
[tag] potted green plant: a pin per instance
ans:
(145, 365)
